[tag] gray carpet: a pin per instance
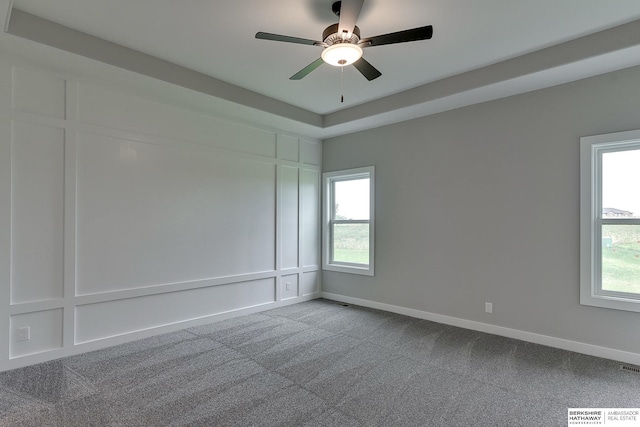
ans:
(316, 364)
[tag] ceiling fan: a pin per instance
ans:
(342, 43)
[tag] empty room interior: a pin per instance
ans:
(319, 213)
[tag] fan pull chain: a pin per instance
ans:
(342, 84)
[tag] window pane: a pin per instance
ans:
(621, 258)
(351, 199)
(620, 183)
(348, 221)
(351, 243)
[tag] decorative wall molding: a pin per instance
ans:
(119, 205)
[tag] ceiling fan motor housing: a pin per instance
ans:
(330, 35)
(342, 43)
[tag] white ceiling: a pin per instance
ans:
(217, 39)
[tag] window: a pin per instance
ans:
(348, 221)
(610, 221)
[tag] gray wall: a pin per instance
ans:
(482, 204)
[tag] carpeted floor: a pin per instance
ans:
(316, 364)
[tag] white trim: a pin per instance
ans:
(5, 208)
(327, 194)
(578, 347)
(70, 215)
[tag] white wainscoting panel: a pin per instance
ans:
(46, 332)
(289, 286)
(311, 152)
(310, 284)
(311, 217)
(39, 93)
(289, 216)
(150, 214)
(37, 217)
(130, 217)
(115, 110)
(112, 318)
(288, 148)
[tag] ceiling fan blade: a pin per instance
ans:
(287, 39)
(367, 70)
(421, 33)
(306, 70)
(349, 12)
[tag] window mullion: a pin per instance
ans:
(619, 221)
(350, 221)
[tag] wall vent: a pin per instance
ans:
(630, 368)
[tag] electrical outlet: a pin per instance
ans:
(23, 334)
(488, 307)
(287, 286)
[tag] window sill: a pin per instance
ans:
(612, 302)
(364, 271)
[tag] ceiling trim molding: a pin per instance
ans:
(6, 8)
(34, 28)
(574, 51)
(605, 51)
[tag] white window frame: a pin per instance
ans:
(328, 179)
(591, 220)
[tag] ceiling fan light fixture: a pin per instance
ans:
(341, 54)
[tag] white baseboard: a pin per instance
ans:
(578, 347)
